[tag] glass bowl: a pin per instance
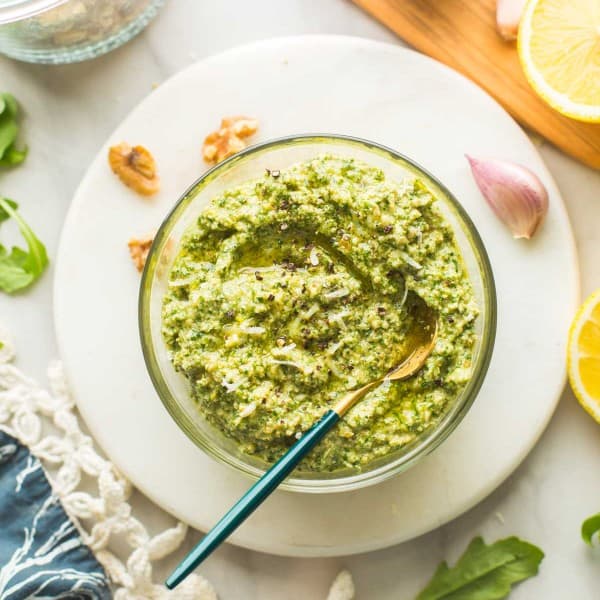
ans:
(66, 31)
(250, 164)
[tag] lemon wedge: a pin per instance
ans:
(583, 355)
(559, 47)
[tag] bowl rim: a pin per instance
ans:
(12, 11)
(438, 434)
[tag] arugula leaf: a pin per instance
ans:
(20, 268)
(590, 529)
(8, 132)
(10, 104)
(13, 157)
(484, 572)
(3, 214)
(9, 129)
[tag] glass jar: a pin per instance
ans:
(65, 31)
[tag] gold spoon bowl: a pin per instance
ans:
(422, 342)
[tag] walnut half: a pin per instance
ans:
(135, 167)
(138, 249)
(229, 139)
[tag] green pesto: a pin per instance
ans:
(292, 289)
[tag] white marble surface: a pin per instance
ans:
(70, 112)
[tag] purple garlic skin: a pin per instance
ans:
(508, 16)
(515, 194)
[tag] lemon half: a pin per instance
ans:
(583, 356)
(559, 47)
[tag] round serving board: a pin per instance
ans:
(314, 84)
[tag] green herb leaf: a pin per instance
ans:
(484, 572)
(3, 214)
(20, 268)
(13, 157)
(8, 132)
(9, 129)
(10, 104)
(590, 529)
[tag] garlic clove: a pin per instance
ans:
(514, 193)
(508, 15)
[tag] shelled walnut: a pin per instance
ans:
(138, 249)
(229, 139)
(135, 167)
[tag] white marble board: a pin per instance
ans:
(339, 85)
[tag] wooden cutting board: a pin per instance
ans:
(462, 34)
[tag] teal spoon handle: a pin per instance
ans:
(253, 498)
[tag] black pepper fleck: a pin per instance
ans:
(275, 173)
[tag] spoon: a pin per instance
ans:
(423, 340)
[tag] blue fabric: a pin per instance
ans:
(42, 554)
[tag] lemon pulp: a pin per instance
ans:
(559, 47)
